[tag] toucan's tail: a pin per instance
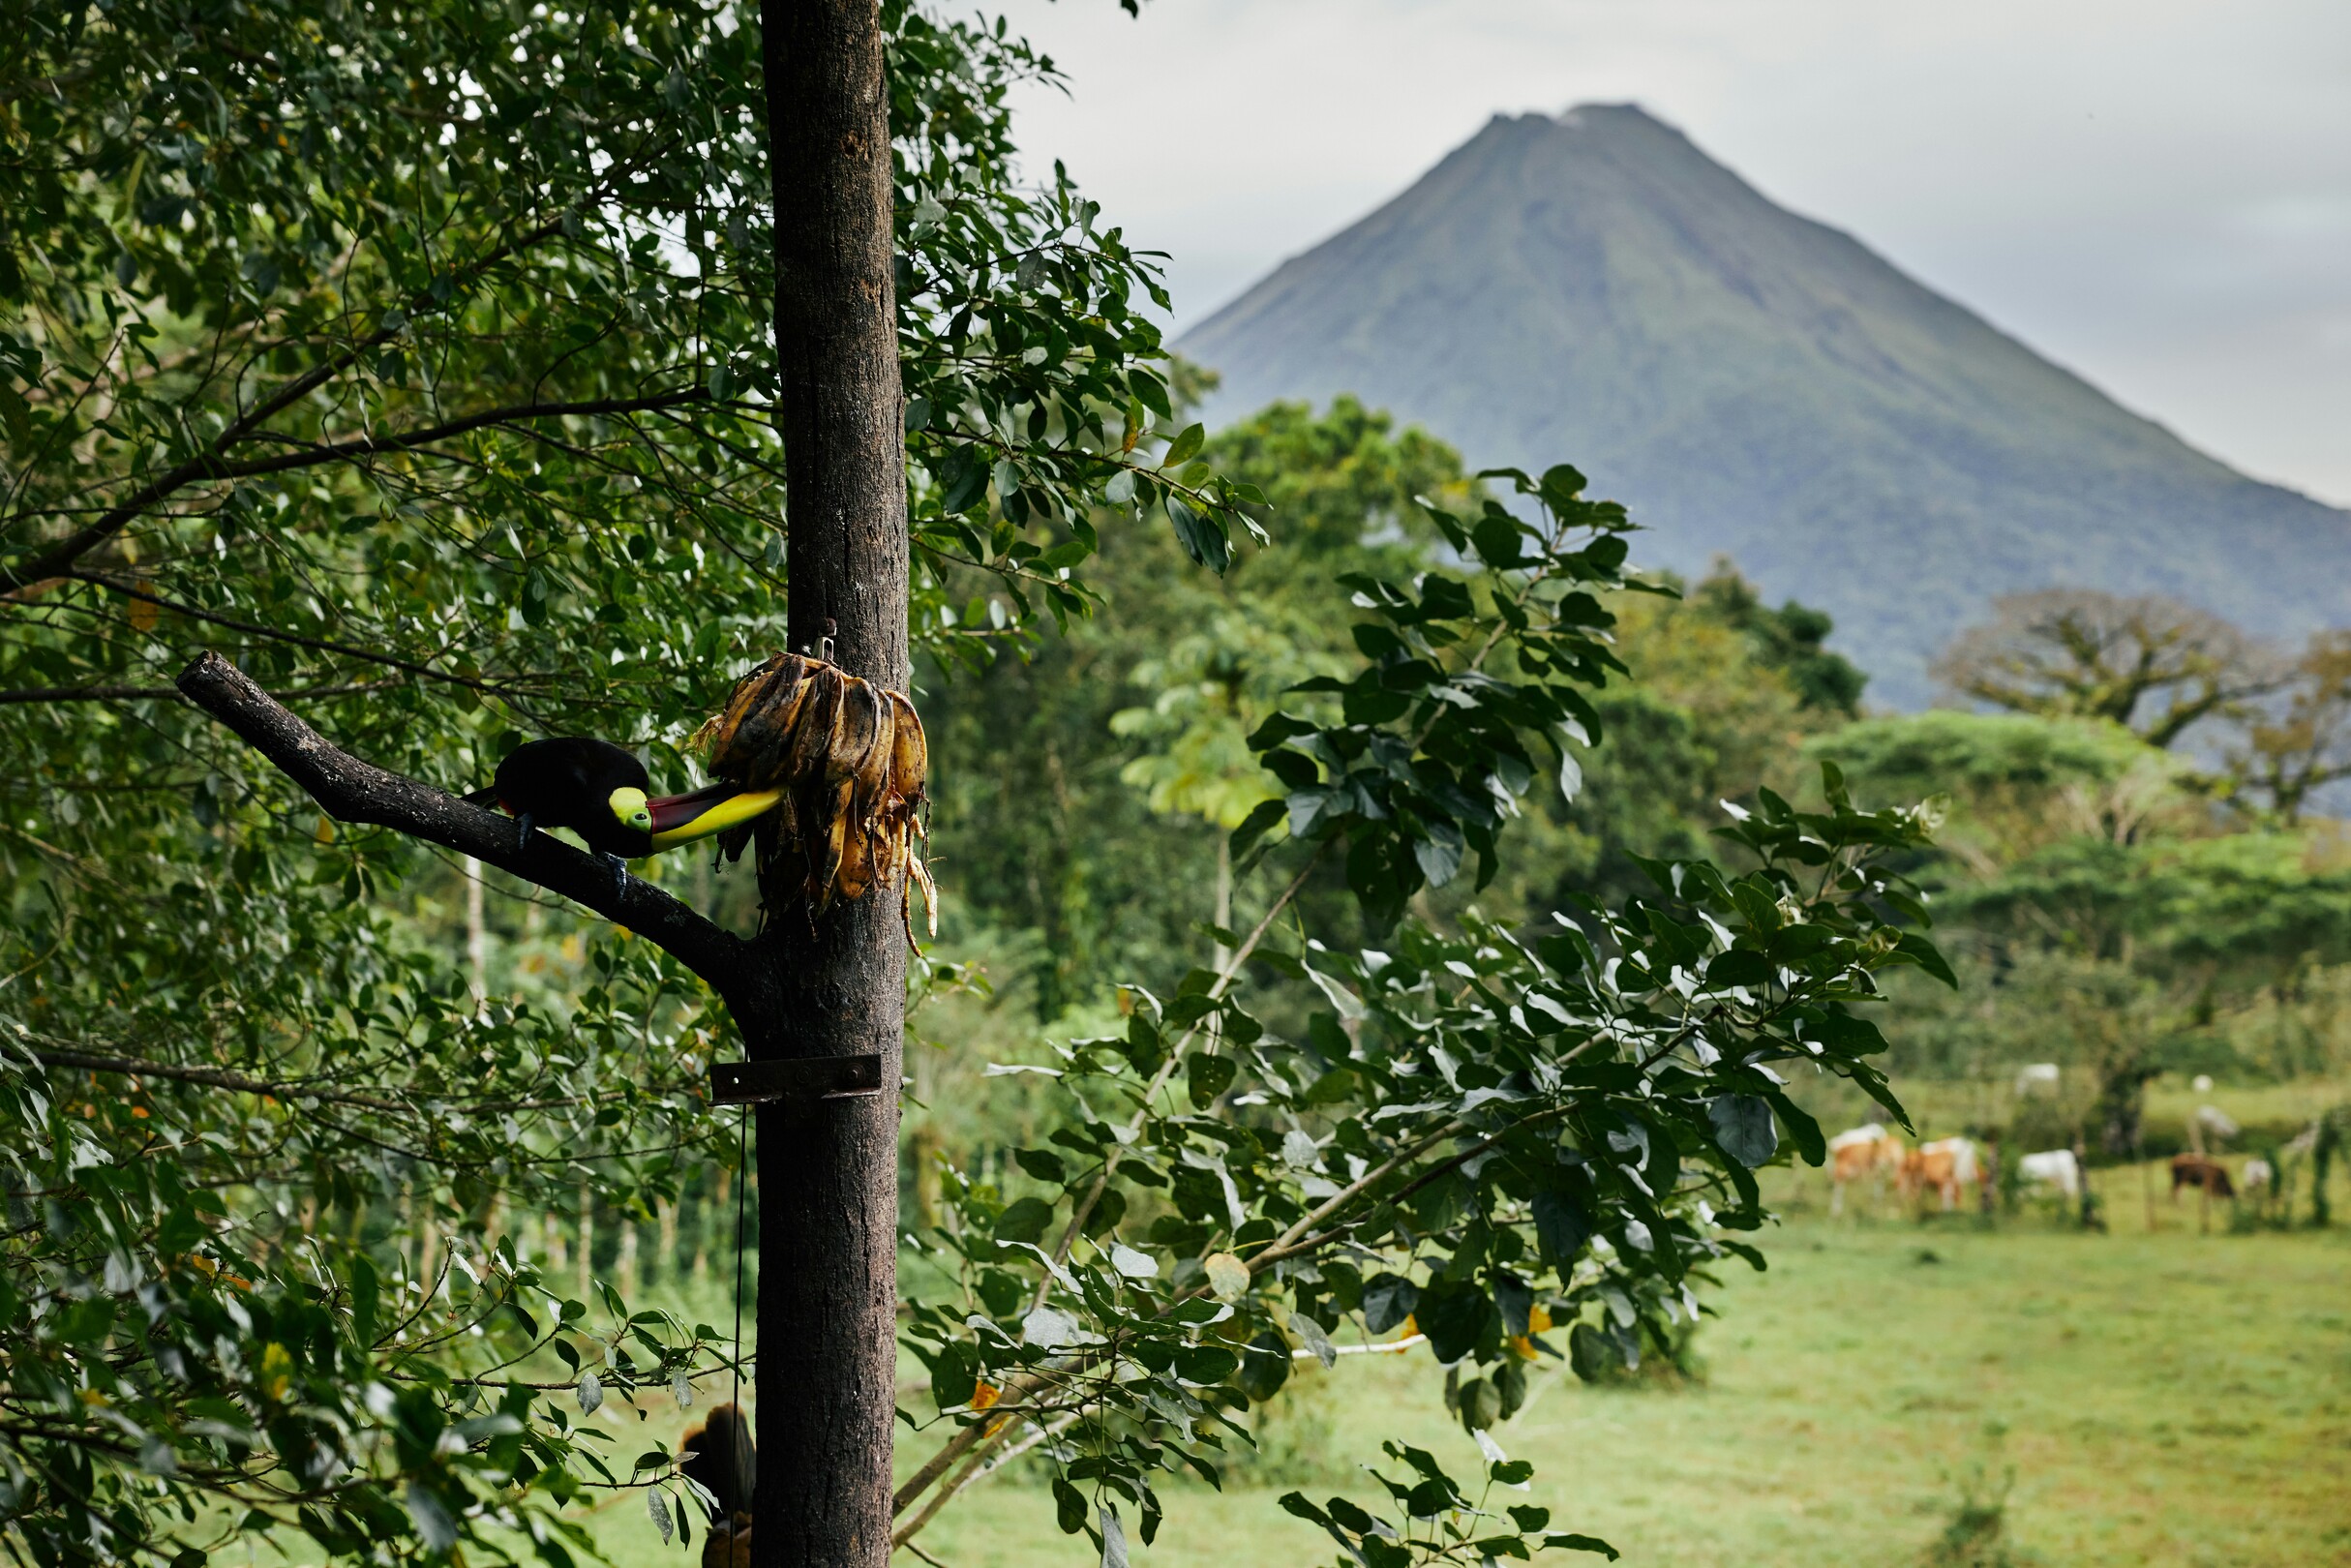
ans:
(723, 1460)
(481, 798)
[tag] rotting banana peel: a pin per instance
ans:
(849, 760)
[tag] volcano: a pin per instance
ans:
(1591, 288)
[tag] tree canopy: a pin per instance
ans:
(415, 363)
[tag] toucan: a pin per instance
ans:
(599, 791)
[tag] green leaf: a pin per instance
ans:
(1227, 1276)
(1206, 1363)
(1265, 1367)
(1180, 450)
(1333, 1087)
(1444, 599)
(1803, 1128)
(365, 1290)
(1591, 1354)
(1561, 483)
(1439, 854)
(1150, 390)
(1742, 1126)
(1042, 1163)
(1581, 1543)
(1202, 539)
(955, 1376)
(1375, 705)
(1480, 1410)
(1446, 523)
(1388, 1299)
(435, 1525)
(15, 415)
(1455, 1316)
(1562, 1226)
(1068, 1507)
(1206, 1077)
(1024, 1221)
(1738, 967)
(1497, 540)
(1927, 957)
(1514, 1299)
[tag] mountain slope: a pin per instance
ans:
(1593, 289)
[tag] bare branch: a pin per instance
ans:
(125, 694)
(349, 790)
(208, 1077)
(360, 446)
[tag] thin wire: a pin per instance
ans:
(742, 1179)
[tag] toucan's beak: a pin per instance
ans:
(682, 819)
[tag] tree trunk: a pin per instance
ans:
(827, 1234)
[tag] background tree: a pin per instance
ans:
(1723, 696)
(1793, 639)
(2103, 913)
(1082, 878)
(2151, 663)
(2014, 784)
(2289, 752)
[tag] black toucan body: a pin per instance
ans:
(721, 1458)
(598, 789)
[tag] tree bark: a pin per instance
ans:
(829, 1173)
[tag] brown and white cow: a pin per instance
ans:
(1945, 1166)
(1863, 1152)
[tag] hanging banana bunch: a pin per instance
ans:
(849, 760)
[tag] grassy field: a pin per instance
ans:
(2172, 1397)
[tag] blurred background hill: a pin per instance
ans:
(1756, 384)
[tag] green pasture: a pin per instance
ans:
(2173, 1397)
(2268, 1113)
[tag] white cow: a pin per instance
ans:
(2035, 1078)
(2217, 1122)
(2257, 1174)
(2055, 1167)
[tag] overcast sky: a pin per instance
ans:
(2155, 193)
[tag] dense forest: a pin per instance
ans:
(2142, 850)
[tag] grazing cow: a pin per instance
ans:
(2200, 1171)
(1863, 1151)
(2057, 1168)
(1945, 1165)
(2037, 1077)
(2259, 1174)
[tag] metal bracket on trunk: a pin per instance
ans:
(804, 1079)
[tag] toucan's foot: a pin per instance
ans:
(619, 874)
(522, 832)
